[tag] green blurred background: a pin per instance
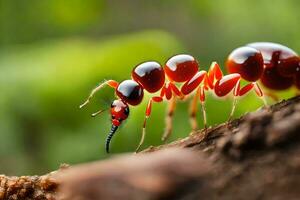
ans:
(53, 52)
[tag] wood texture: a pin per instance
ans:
(254, 157)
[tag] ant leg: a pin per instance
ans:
(111, 83)
(236, 92)
(189, 86)
(170, 112)
(193, 111)
(260, 94)
(235, 100)
(257, 90)
(202, 100)
(148, 113)
(214, 74)
(167, 91)
(176, 91)
(225, 85)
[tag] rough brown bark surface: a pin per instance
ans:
(28, 187)
(254, 157)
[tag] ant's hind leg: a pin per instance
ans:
(243, 91)
(169, 118)
(236, 93)
(202, 100)
(234, 103)
(111, 83)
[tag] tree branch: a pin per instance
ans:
(253, 157)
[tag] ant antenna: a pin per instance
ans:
(110, 83)
(97, 113)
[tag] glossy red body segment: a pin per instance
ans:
(226, 84)
(119, 111)
(193, 83)
(273, 80)
(289, 67)
(150, 75)
(181, 67)
(276, 55)
(130, 92)
(246, 61)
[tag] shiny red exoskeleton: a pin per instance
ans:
(275, 65)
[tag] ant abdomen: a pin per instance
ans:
(273, 80)
(281, 64)
(273, 64)
(150, 75)
(276, 55)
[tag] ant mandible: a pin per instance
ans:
(269, 62)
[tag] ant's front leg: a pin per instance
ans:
(147, 115)
(111, 83)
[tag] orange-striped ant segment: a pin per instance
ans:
(276, 66)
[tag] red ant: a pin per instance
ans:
(267, 62)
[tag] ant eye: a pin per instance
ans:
(113, 117)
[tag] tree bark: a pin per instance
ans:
(254, 157)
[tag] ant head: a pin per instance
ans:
(119, 111)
